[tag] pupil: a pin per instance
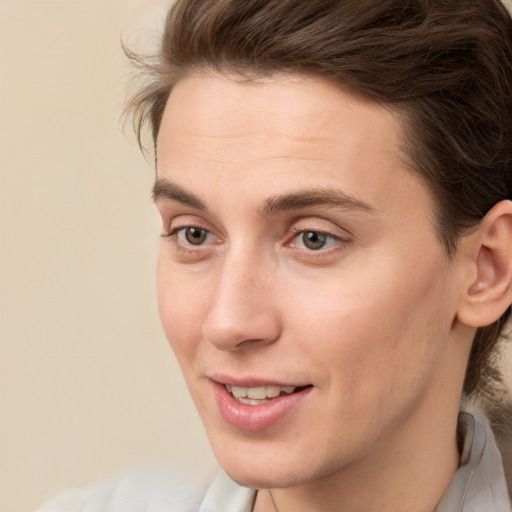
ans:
(314, 240)
(195, 236)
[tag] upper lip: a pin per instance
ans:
(253, 382)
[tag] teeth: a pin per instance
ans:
(273, 391)
(257, 395)
(239, 392)
(249, 401)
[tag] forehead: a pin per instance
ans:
(220, 135)
(284, 110)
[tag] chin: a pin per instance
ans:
(266, 467)
(258, 478)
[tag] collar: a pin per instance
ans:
(479, 483)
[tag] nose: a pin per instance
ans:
(242, 312)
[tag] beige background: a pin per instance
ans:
(88, 385)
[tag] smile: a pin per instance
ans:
(253, 408)
(258, 395)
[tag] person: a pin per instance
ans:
(335, 273)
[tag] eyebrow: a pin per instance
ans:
(317, 197)
(167, 190)
(163, 189)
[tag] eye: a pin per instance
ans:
(192, 235)
(314, 240)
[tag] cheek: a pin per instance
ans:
(369, 329)
(180, 309)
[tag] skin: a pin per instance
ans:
(369, 320)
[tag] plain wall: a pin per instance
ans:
(88, 385)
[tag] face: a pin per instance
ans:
(301, 284)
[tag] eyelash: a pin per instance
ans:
(185, 248)
(331, 239)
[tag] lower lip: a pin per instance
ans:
(256, 417)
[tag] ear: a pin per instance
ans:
(487, 292)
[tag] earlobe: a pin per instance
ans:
(488, 293)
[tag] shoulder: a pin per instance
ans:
(137, 491)
(69, 501)
(494, 422)
(499, 414)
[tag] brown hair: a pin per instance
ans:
(446, 65)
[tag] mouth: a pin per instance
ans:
(256, 405)
(261, 394)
